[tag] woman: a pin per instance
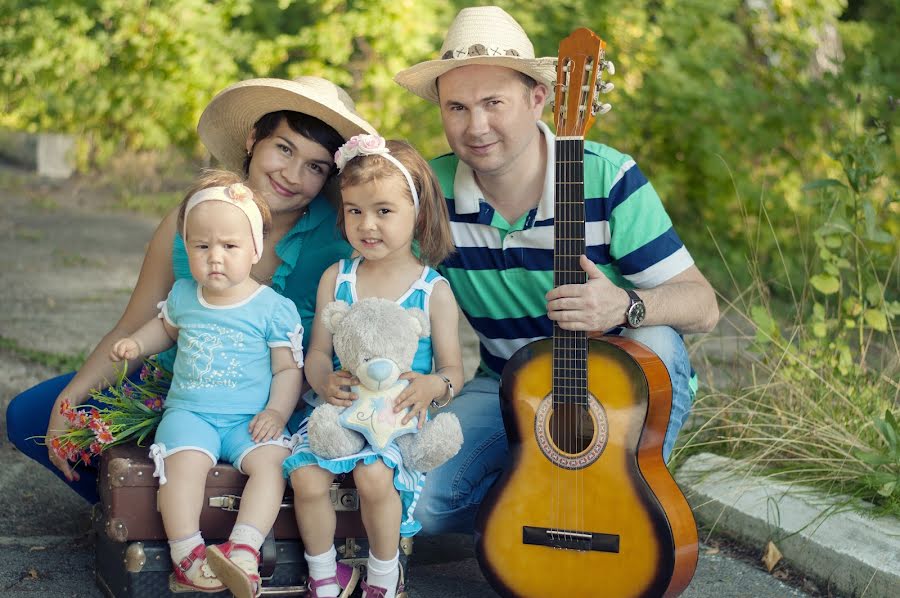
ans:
(282, 135)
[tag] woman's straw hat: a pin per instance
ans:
(229, 117)
(479, 35)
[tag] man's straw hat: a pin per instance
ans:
(479, 35)
(229, 117)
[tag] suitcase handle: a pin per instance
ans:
(343, 499)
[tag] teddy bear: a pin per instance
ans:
(376, 340)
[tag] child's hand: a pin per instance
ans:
(126, 348)
(338, 392)
(267, 425)
(418, 395)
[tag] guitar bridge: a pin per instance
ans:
(570, 539)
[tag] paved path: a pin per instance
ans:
(66, 275)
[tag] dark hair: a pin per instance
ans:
(433, 222)
(309, 126)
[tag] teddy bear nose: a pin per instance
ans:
(379, 369)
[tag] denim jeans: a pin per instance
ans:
(454, 491)
(27, 418)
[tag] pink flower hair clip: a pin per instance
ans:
(360, 145)
(238, 192)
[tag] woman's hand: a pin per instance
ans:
(267, 425)
(338, 392)
(56, 426)
(418, 395)
(126, 348)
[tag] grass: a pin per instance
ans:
(60, 362)
(813, 397)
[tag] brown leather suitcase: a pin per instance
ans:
(131, 553)
(128, 500)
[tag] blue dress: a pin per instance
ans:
(408, 482)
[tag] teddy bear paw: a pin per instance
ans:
(437, 442)
(328, 438)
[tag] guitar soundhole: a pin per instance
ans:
(571, 428)
(571, 436)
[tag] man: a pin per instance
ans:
(491, 91)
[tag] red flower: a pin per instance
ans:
(104, 436)
(95, 447)
(85, 457)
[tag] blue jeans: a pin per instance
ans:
(28, 416)
(454, 491)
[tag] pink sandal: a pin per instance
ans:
(241, 577)
(379, 592)
(208, 582)
(346, 579)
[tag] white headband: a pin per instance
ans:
(373, 145)
(237, 195)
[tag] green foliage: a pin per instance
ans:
(124, 75)
(817, 394)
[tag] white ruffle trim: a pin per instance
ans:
(296, 338)
(158, 453)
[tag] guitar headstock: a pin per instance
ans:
(576, 103)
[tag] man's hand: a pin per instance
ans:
(596, 305)
(267, 425)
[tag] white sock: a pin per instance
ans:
(183, 547)
(384, 574)
(323, 566)
(247, 534)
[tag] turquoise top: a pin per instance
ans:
(224, 362)
(306, 251)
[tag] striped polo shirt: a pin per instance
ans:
(501, 271)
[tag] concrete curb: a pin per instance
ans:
(850, 554)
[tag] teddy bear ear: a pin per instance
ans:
(424, 326)
(333, 313)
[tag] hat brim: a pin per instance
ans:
(228, 119)
(421, 79)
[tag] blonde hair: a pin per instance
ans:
(432, 230)
(212, 177)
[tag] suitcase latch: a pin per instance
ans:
(344, 499)
(228, 502)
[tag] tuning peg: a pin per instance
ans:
(600, 109)
(608, 66)
(605, 86)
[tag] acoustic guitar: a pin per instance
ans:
(587, 507)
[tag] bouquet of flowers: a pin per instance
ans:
(130, 412)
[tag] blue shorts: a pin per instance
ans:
(217, 435)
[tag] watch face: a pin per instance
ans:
(636, 314)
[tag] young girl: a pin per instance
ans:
(394, 216)
(237, 378)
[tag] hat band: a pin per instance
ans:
(238, 195)
(479, 50)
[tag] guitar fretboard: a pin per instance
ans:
(569, 346)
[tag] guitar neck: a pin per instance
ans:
(569, 346)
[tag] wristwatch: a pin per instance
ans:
(636, 312)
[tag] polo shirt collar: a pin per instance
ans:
(467, 194)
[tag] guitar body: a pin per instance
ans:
(587, 507)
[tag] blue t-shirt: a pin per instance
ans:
(306, 251)
(224, 362)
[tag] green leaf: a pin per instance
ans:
(888, 489)
(822, 183)
(819, 329)
(876, 319)
(827, 285)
